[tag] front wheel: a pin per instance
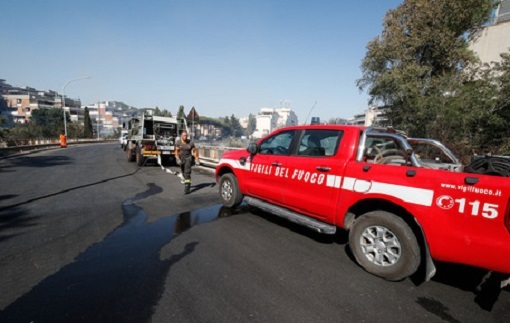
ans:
(384, 245)
(230, 194)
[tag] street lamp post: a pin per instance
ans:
(97, 120)
(64, 99)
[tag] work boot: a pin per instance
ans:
(187, 187)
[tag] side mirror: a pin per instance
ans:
(252, 148)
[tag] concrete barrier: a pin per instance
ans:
(42, 144)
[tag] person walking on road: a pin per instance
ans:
(185, 151)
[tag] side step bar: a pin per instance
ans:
(295, 217)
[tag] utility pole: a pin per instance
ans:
(64, 99)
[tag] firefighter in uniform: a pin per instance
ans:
(185, 151)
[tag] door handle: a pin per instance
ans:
(471, 180)
(323, 169)
(276, 164)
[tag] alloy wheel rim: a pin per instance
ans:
(380, 246)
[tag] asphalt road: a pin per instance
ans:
(86, 236)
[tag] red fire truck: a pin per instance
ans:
(406, 202)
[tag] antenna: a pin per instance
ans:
(310, 111)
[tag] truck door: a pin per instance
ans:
(313, 173)
(265, 180)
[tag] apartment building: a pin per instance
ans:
(374, 115)
(494, 39)
(18, 103)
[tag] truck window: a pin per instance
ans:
(278, 144)
(319, 142)
(383, 151)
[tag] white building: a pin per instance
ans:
(374, 115)
(269, 119)
(494, 39)
(244, 122)
(286, 117)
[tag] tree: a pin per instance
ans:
(226, 127)
(235, 125)
(162, 113)
(490, 127)
(252, 124)
(417, 66)
(48, 122)
(337, 121)
(87, 124)
(181, 113)
(166, 113)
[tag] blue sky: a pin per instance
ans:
(223, 57)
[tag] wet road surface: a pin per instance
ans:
(121, 277)
(126, 245)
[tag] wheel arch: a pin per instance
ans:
(226, 169)
(427, 267)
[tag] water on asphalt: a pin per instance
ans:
(118, 279)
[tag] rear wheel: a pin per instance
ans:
(230, 194)
(129, 154)
(384, 245)
(140, 160)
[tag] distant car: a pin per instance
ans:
(123, 141)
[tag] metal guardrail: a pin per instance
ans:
(211, 155)
(46, 144)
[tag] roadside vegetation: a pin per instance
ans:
(49, 124)
(421, 68)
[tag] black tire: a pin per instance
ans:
(130, 155)
(140, 160)
(384, 245)
(230, 194)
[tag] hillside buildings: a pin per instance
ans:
(18, 103)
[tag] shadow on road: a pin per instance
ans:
(484, 286)
(37, 161)
(16, 217)
(3, 208)
(120, 279)
(201, 186)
